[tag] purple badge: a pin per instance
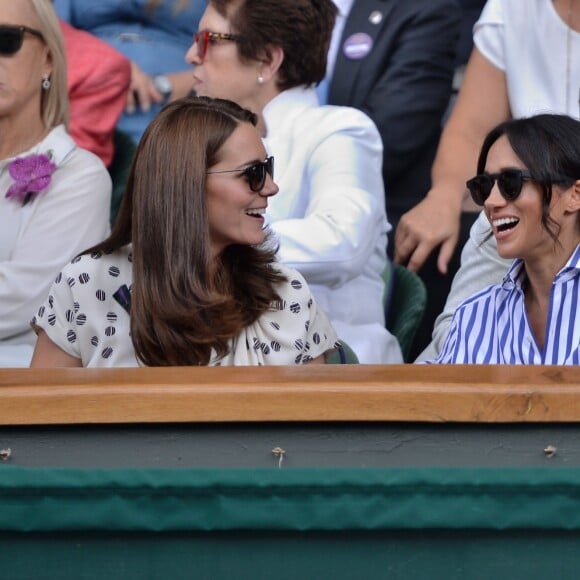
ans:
(357, 45)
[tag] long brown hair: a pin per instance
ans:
(183, 303)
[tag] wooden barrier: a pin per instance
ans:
(333, 471)
(419, 393)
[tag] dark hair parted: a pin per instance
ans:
(549, 147)
(183, 301)
(302, 28)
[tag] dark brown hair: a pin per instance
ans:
(183, 303)
(302, 28)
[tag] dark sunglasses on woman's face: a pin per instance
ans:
(255, 173)
(11, 38)
(509, 183)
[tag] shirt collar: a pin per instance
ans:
(287, 105)
(517, 273)
(58, 142)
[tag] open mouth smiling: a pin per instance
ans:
(505, 224)
(256, 212)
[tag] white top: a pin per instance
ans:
(37, 239)
(528, 40)
(330, 213)
(82, 316)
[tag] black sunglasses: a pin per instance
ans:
(255, 173)
(11, 38)
(509, 183)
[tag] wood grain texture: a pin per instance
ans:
(310, 393)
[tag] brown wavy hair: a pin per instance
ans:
(302, 28)
(184, 303)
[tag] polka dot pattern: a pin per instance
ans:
(82, 316)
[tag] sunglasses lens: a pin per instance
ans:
(256, 175)
(201, 39)
(510, 184)
(10, 40)
(480, 187)
(269, 163)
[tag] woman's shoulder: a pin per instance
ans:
(339, 119)
(116, 266)
(508, 12)
(294, 280)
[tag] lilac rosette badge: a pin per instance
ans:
(31, 174)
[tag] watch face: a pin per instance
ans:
(163, 84)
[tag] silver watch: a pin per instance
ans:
(163, 85)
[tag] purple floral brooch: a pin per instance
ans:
(31, 174)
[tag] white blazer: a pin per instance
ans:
(329, 215)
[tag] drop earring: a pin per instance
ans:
(260, 80)
(46, 83)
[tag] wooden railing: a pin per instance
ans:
(310, 393)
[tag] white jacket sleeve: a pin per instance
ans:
(345, 217)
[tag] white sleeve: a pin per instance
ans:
(345, 217)
(488, 34)
(70, 216)
(481, 266)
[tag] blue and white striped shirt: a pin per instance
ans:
(492, 327)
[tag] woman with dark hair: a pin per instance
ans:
(187, 276)
(529, 185)
(329, 219)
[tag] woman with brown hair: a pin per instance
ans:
(330, 218)
(187, 276)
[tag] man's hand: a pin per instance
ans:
(431, 223)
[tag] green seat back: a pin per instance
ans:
(343, 355)
(119, 169)
(404, 305)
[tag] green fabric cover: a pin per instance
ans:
(337, 524)
(166, 500)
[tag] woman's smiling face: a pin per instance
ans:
(235, 212)
(517, 225)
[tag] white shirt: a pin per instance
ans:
(529, 40)
(85, 319)
(37, 239)
(330, 214)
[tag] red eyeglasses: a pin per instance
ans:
(204, 38)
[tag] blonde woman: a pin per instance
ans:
(54, 197)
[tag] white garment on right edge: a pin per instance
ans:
(528, 39)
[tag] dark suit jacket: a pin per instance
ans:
(403, 84)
